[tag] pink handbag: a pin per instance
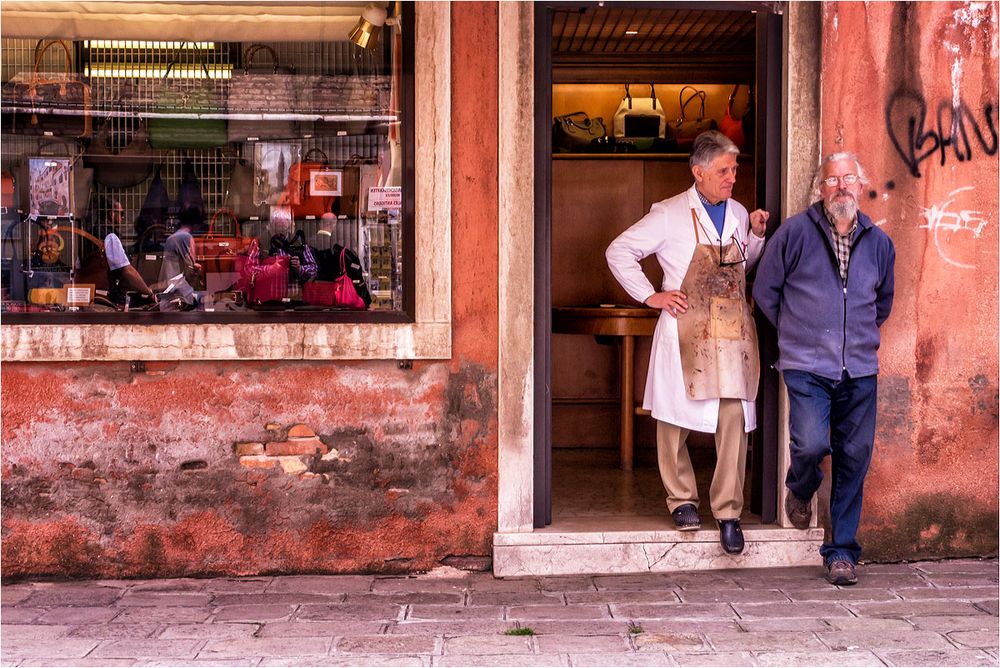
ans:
(339, 292)
(262, 281)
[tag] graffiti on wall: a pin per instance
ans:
(951, 227)
(954, 126)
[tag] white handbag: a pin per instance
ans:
(640, 116)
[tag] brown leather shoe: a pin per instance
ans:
(799, 512)
(841, 572)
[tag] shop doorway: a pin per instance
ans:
(593, 471)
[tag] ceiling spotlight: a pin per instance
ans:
(631, 32)
(365, 33)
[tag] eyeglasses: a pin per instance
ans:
(846, 179)
(738, 257)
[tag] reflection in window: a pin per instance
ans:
(152, 177)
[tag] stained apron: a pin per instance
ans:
(717, 335)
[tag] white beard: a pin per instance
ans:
(844, 209)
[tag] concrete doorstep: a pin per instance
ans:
(920, 614)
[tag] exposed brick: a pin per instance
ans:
(258, 462)
(308, 446)
(243, 449)
(300, 431)
(292, 464)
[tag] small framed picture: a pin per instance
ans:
(50, 182)
(325, 183)
(271, 163)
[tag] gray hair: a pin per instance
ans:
(836, 157)
(708, 146)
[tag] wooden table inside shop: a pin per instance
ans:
(625, 322)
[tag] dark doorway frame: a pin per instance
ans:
(768, 163)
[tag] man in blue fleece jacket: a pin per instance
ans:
(826, 283)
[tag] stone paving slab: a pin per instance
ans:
(254, 613)
(162, 615)
(712, 659)
(73, 663)
(901, 614)
(840, 641)
(112, 631)
(860, 658)
(581, 644)
(387, 644)
(147, 648)
(319, 629)
(79, 615)
(208, 631)
(937, 658)
(234, 648)
(603, 660)
(408, 598)
(500, 660)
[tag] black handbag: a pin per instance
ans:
(573, 132)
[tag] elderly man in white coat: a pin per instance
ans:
(704, 365)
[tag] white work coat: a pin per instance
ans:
(668, 231)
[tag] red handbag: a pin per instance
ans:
(217, 253)
(731, 126)
(339, 292)
(298, 192)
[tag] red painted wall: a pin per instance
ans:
(113, 474)
(932, 490)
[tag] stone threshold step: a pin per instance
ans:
(552, 551)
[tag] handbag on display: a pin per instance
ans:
(332, 101)
(333, 263)
(148, 255)
(239, 193)
(731, 126)
(262, 280)
(574, 132)
(685, 129)
(340, 292)
(640, 116)
(303, 192)
(189, 195)
(177, 120)
(217, 252)
(155, 211)
(52, 104)
(250, 88)
(124, 168)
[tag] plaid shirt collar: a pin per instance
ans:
(841, 242)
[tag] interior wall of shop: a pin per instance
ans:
(108, 472)
(932, 489)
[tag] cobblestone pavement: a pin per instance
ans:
(920, 614)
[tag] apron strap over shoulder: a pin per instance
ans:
(694, 224)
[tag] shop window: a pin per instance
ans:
(208, 181)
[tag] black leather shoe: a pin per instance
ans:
(799, 512)
(731, 536)
(686, 517)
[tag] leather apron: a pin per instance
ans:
(717, 335)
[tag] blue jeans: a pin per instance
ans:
(836, 418)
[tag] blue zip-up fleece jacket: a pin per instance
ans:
(825, 327)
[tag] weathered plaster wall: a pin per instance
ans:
(111, 473)
(912, 88)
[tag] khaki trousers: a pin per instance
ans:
(730, 468)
